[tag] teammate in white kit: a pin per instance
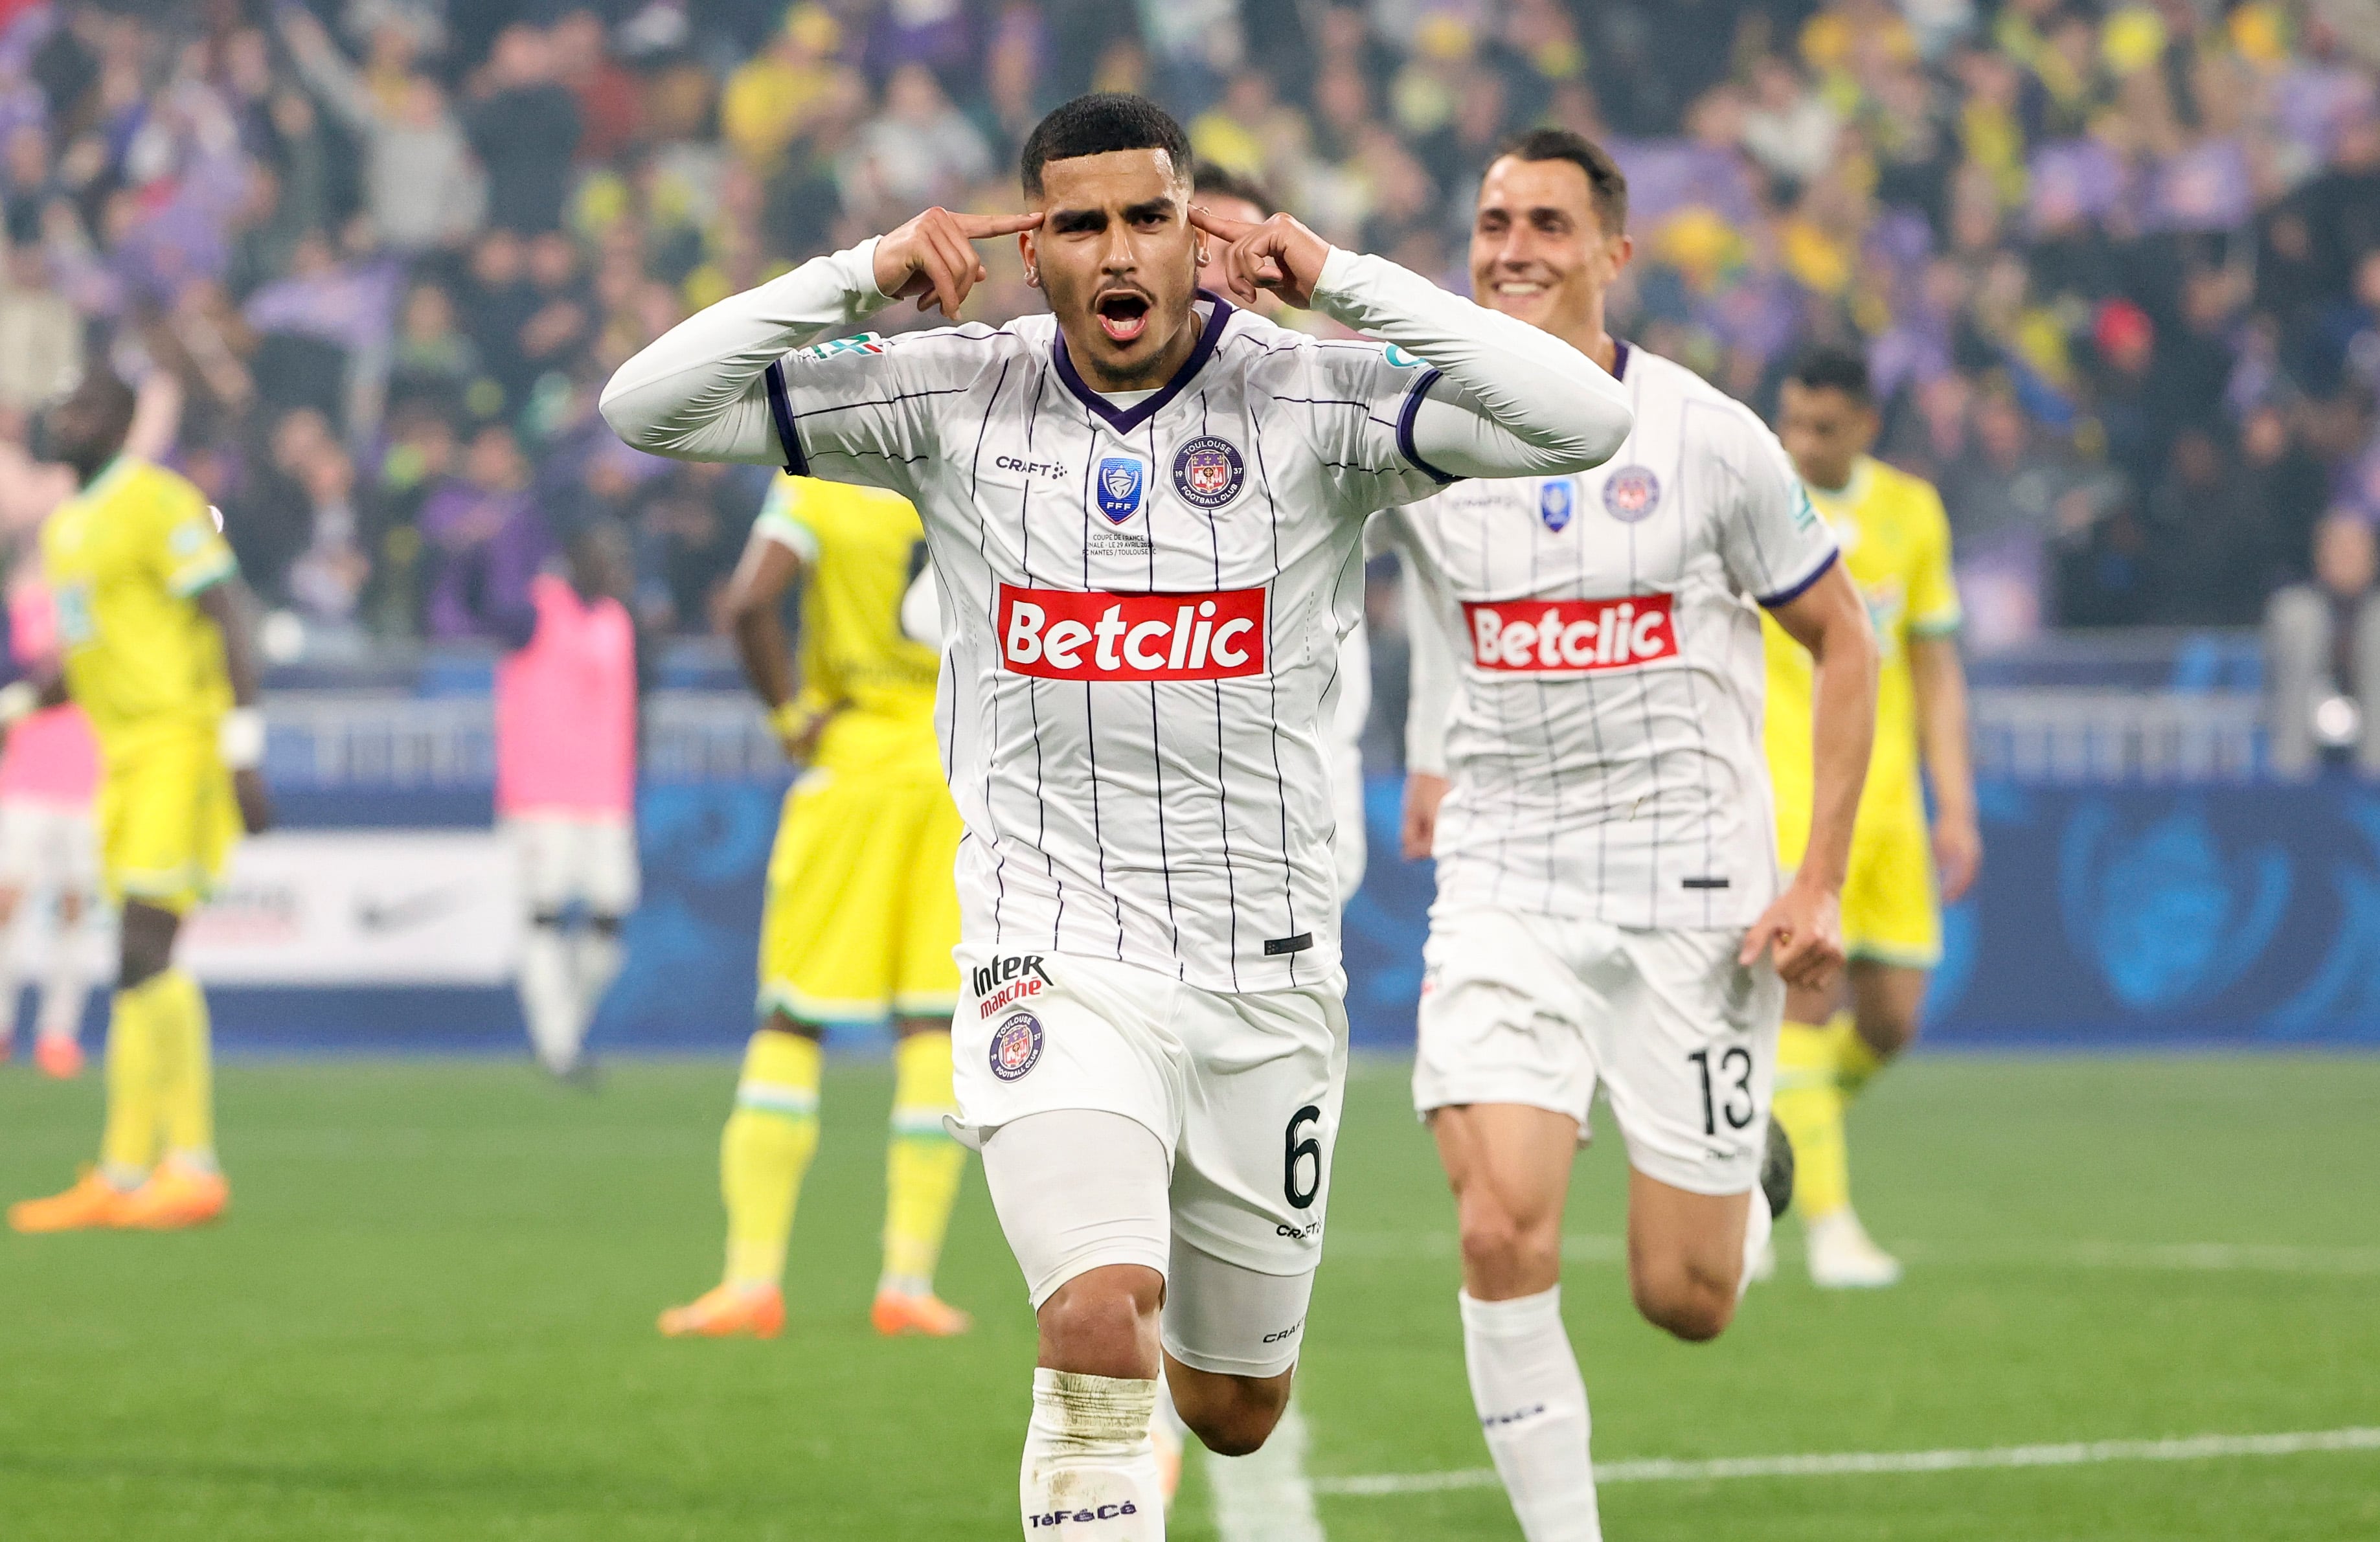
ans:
(1607, 902)
(1144, 510)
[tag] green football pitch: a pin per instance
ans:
(430, 1315)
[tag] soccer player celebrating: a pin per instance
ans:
(155, 647)
(862, 915)
(1608, 900)
(1144, 511)
(1896, 544)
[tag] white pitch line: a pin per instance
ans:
(2194, 1448)
(1266, 1496)
(2185, 1257)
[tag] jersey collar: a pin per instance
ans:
(1125, 419)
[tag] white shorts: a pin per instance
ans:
(1537, 1010)
(1241, 1092)
(568, 859)
(48, 848)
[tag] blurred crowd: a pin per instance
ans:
(2116, 265)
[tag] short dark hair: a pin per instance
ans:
(1832, 366)
(1214, 181)
(1607, 185)
(1098, 123)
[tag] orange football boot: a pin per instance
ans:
(93, 1204)
(58, 1056)
(728, 1312)
(896, 1314)
(176, 1196)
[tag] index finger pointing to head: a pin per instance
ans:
(975, 227)
(1206, 219)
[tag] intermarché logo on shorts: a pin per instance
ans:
(1003, 982)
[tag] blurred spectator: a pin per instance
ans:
(921, 151)
(423, 188)
(2322, 655)
(484, 540)
(526, 127)
(40, 337)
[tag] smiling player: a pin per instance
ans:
(1143, 509)
(1608, 908)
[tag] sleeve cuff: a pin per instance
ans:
(198, 580)
(781, 413)
(788, 532)
(1405, 415)
(1938, 626)
(1787, 596)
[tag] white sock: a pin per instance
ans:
(595, 963)
(549, 998)
(1757, 1226)
(1266, 1493)
(68, 984)
(1532, 1406)
(1091, 1473)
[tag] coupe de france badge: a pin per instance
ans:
(1631, 493)
(1119, 488)
(1557, 501)
(1016, 1047)
(1207, 472)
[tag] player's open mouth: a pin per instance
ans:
(1124, 315)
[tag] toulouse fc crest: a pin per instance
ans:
(1119, 488)
(1631, 493)
(1207, 472)
(1016, 1047)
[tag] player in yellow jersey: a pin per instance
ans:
(862, 909)
(1896, 544)
(156, 648)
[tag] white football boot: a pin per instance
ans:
(1844, 1258)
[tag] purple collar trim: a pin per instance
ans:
(1619, 358)
(1126, 420)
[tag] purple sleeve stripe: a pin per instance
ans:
(781, 408)
(1405, 415)
(1786, 597)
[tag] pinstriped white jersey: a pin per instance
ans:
(1605, 742)
(1142, 607)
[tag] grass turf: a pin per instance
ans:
(430, 1316)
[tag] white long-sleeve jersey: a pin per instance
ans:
(1587, 667)
(1142, 598)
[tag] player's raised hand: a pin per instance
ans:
(1278, 254)
(1804, 925)
(933, 257)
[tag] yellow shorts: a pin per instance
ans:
(1891, 916)
(862, 911)
(167, 823)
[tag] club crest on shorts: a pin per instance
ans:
(1557, 501)
(1207, 472)
(1631, 493)
(1119, 488)
(1016, 1047)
